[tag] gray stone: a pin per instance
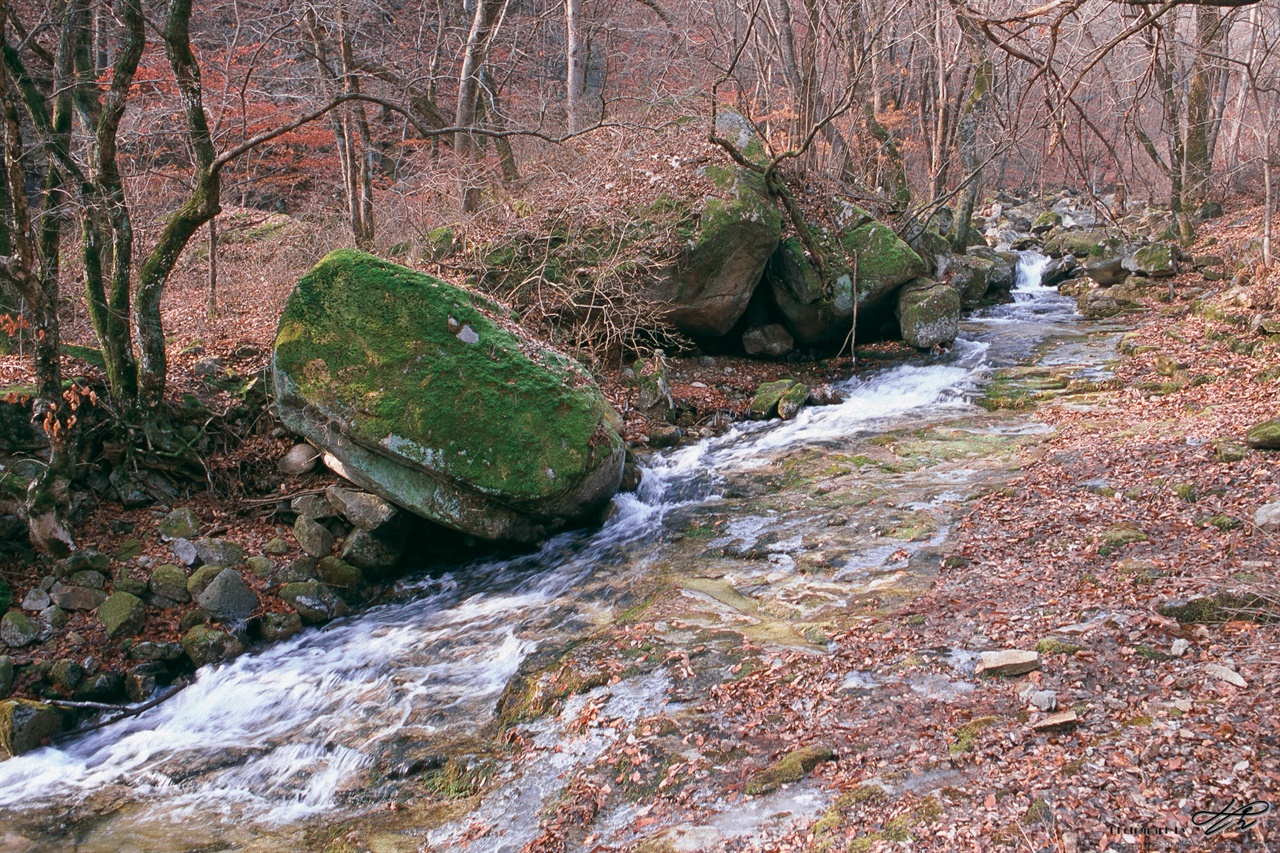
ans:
(76, 597)
(664, 435)
(1045, 700)
(312, 537)
(301, 459)
(24, 726)
(314, 506)
(205, 645)
(169, 581)
(1008, 662)
(227, 598)
(314, 601)
(180, 524)
(6, 675)
(54, 616)
(122, 614)
(82, 560)
(219, 552)
(17, 629)
(185, 551)
(280, 626)
(151, 651)
(35, 600)
(1268, 518)
(365, 511)
(88, 579)
(372, 552)
(139, 684)
(301, 569)
(773, 341)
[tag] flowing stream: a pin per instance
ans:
(278, 736)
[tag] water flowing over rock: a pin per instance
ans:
(500, 438)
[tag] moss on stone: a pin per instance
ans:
(967, 735)
(792, 767)
(384, 349)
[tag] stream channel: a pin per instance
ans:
(775, 533)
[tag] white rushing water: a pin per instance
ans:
(276, 735)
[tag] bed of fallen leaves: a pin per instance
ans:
(1127, 507)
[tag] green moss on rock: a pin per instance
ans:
(411, 369)
(792, 767)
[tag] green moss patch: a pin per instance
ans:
(420, 368)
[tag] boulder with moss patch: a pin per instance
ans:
(792, 767)
(1264, 436)
(929, 313)
(419, 392)
(862, 255)
(730, 239)
(24, 726)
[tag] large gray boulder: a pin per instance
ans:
(928, 312)
(732, 237)
(819, 310)
(422, 393)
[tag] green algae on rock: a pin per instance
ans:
(418, 393)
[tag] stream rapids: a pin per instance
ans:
(288, 736)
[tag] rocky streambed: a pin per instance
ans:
(478, 701)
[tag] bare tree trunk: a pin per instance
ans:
(483, 25)
(576, 64)
(1269, 206)
(213, 268)
(967, 131)
(1201, 118)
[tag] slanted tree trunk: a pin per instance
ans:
(967, 131)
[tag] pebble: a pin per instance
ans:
(1179, 647)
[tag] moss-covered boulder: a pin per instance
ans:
(1264, 436)
(24, 725)
(764, 404)
(729, 241)
(928, 313)
(1046, 222)
(1105, 262)
(820, 311)
(122, 615)
(425, 394)
(969, 275)
(1062, 242)
(205, 645)
(792, 767)
(1156, 260)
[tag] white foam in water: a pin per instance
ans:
(276, 735)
